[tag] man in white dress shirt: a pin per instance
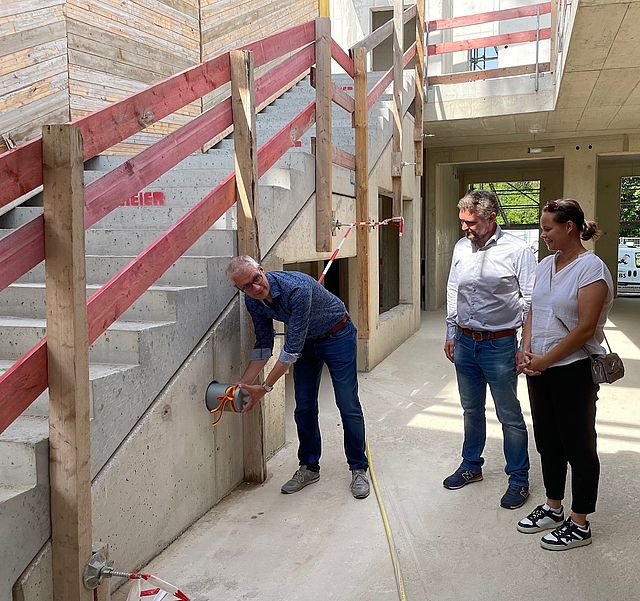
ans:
(488, 297)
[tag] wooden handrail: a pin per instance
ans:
(341, 57)
(375, 38)
(21, 167)
(489, 17)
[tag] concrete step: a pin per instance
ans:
(158, 303)
(133, 242)
(119, 344)
(18, 467)
(186, 271)
(103, 382)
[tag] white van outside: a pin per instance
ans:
(629, 265)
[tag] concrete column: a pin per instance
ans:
(581, 177)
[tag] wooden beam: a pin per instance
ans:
(361, 125)
(323, 8)
(380, 86)
(246, 170)
(341, 57)
(324, 176)
(397, 113)
(339, 157)
(467, 76)
(504, 39)
(342, 99)
(68, 360)
(418, 131)
(246, 151)
(378, 36)
(490, 17)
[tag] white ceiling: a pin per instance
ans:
(599, 90)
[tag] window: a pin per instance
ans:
(483, 58)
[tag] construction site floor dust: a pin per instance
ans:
(321, 544)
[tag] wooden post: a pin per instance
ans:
(323, 8)
(324, 177)
(398, 78)
(361, 125)
(418, 132)
(68, 359)
(246, 161)
(246, 150)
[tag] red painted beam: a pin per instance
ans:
(409, 54)
(279, 76)
(342, 99)
(342, 58)
(281, 43)
(381, 85)
(21, 250)
(489, 17)
(494, 40)
(22, 383)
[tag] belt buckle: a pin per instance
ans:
(477, 336)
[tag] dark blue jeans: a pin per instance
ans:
(338, 352)
(491, 362)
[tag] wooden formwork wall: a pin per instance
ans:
(62, 59)
(33, 68)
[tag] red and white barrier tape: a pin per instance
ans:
(392, 220)
(159, 591)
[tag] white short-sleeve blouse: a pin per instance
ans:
(555, 302)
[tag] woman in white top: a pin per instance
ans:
(572, 296)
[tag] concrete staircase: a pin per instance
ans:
(132, 362)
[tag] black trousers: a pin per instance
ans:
(563, 406)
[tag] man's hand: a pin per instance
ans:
(449, 346)
(256, 392)
(521, 362)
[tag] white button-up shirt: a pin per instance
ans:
(489, 287)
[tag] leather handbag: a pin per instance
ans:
(605, 369)
(608, 368)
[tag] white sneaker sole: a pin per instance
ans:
(536, 529)
(582, 543)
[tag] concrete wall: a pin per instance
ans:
(578, 174)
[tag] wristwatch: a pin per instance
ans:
(267, 388)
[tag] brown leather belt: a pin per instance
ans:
(478, 335)
(334, 329)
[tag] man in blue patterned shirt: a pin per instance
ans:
(319, 332)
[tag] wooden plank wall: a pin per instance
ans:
(33, 68)
(117, 48)
(62, 59)
(229, 23)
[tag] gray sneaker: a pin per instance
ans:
(299, 480)
(359, 484)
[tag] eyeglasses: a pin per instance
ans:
(254, 282)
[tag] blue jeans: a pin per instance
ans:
(338, 351)
(492, 362)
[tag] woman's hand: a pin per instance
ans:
(536, 364)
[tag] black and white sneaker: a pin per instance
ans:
(566, 536)
(541, 518)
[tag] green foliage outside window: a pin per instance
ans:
(630, 207)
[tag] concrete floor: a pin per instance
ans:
(321, 544)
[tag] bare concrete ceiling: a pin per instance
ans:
(599, 91)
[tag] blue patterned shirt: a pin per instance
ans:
(308, 309)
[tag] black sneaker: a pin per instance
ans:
(515, 497)
(460, 478)
(566, 536)
(541, 519)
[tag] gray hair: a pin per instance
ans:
(480, 202)
(239, 264)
